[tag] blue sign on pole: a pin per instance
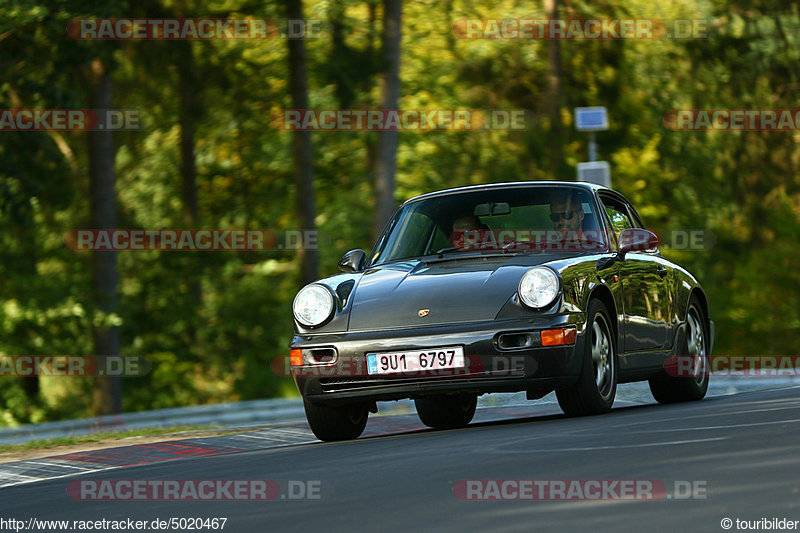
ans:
(591, 118)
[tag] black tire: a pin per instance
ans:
(446, 411)
(596, 387)
(671, 389)
(331, 423)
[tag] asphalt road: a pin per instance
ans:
(740, 453)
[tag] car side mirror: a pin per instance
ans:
(637, 240)
(353, 261)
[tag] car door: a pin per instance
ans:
(643, 288)
(663, 293)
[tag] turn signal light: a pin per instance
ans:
(296, 357)
(558, 337)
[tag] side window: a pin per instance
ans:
(619, 220)
(618, 215)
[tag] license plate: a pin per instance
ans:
(415, 360)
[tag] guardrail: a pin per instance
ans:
(239, 414)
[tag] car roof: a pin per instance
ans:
(509, 185)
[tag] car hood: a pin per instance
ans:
(419, 293)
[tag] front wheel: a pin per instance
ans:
(668, 389)
(331, 423)
(447, 411)
(596, 387)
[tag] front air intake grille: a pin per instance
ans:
(343, 384)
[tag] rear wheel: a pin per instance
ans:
(669, 389)
(596, 387)
(330, 423)
(446, 411)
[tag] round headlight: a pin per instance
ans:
(313, 305)
(538, 288)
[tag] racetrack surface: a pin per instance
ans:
(739, 450)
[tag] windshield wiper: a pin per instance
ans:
(513, 244)
(505, 249)
(593, 241)
(464, 249)
(468, 253)
(542, 246)
(519, 246)
(450, 249)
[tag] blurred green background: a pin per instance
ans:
(211, 322)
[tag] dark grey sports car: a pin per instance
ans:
(531, 286)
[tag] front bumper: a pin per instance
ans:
(491, 365)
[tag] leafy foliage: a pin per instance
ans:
(741, 187)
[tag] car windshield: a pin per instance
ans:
(502, 220)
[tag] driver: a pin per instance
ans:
(566, 211)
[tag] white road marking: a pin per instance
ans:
(715, 414)
(613, 447)
(726, 426)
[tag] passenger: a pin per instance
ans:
(462, 225)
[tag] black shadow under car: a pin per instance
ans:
(531, 286)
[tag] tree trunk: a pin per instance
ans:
(386, 153)
(370, 140)
(556, 140)
(30, 384)
(302, 148)
(107, 395)
(189, 108)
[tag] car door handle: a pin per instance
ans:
(662, 271)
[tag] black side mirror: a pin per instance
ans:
(637, 240)
(630, 240)
(353, 261)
